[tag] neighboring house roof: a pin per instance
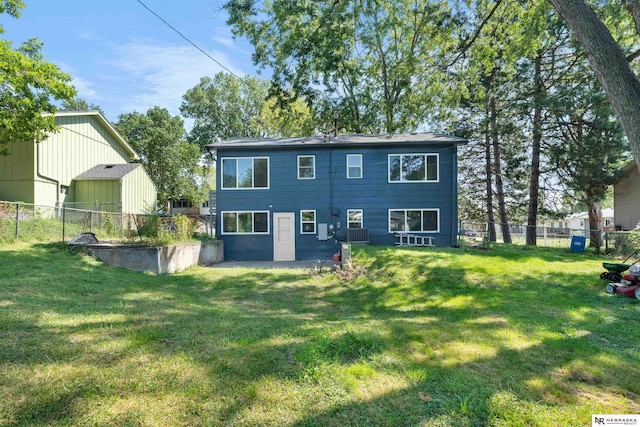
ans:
(341, 140)
(606, 213)
(108, 126)
(626, 169)
(107, 172)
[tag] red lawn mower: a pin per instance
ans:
(627, 285)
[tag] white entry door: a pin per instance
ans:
(284, 236)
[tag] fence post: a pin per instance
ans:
(97, 209)
(64, 218)
(17, 220)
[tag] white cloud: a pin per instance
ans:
(162, 74)
(83, 87)
(225, 41)
(224, 38)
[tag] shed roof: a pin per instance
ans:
(108, 172)
(345, 140)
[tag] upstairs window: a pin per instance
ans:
(413, 168)
(354, 166)
(306, 167)
(245, 172)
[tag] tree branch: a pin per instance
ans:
(632, 57)
(633, 6)
(470, 42)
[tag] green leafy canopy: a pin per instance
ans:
(170, 161)
(28, 86)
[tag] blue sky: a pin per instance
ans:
(125, 59)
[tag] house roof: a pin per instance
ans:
(628, 168)
(345, 140)
(108, 126)
(108, 172)
(606, 213)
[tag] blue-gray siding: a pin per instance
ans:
(331, 194)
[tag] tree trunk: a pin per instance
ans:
(595, 226)
(534, 179)
(497, 169)
(608, 63)
(491, 220)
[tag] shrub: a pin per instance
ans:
(624, 243)
(165, 230)
(184, 228)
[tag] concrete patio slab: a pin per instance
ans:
(262, 265)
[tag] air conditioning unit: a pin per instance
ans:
(358, 235)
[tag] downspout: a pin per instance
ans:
(454, 199)
(43, 176)
(335, 137)
(331, 183)
(121, 207)
(214, 159)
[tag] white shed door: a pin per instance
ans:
(284, 237)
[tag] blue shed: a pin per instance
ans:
(286, 199)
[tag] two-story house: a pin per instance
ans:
(290, 199)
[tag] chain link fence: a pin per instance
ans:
(621, 243)
(613, 242)
(28, 222)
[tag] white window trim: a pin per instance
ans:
(405, 220)
(237, 233)
(315, 222)
(252, 176)
(361, 167)
(361, 217)
(401, 181)
(314, 166)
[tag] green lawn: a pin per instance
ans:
(424, 337)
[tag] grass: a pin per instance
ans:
(425, 337)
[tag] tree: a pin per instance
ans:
(608, 62)
(534, 176)
(590, 147)
(79, 104)
(170, 161)
(28, 86)
(224, 107)
(291, 119)
(381, 60)
(540, 58)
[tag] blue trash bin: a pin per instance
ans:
(578, 243)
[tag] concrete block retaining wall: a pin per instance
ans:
(158, 259)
